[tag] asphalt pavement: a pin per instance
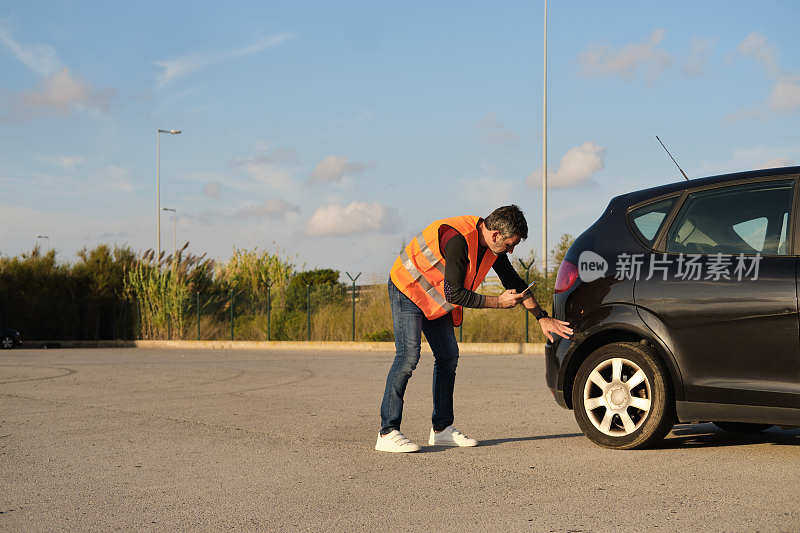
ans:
(203, 440)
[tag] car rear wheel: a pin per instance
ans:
(7, 342)
(741, 427)
(621, 397)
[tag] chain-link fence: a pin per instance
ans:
(117, 294)
(331, 312)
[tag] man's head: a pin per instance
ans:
(506, 228)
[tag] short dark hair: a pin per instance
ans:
(509, 221)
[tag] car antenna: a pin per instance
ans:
(673, 159)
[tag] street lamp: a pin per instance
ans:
(544, 154)
(158, 187)
(174, 230)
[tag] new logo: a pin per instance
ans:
(591, 266)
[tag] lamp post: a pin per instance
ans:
(158, 187)
(174, 230)
(544, 154)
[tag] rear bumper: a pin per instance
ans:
(555, 354)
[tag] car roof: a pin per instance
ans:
(661, 190)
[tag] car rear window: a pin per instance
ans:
(648, 219)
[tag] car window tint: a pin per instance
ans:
(731, 220)
(648, 219)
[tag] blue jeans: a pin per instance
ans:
(409, 322)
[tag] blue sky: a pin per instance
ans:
(335, 132)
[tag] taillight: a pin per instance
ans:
(567, 274)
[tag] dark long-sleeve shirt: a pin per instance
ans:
(454, 249)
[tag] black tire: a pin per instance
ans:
(648, 408)
(7, 342)
(742, 427)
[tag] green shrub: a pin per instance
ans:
(384, 335)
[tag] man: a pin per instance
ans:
(430, 283)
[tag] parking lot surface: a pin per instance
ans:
(138, 439)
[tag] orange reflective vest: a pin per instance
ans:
(419, 271)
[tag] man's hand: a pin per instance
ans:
(553, 325)
(509, 299)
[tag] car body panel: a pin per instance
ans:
(729, 335)
(610, 323)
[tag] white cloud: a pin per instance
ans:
(777, 163)
(756, 46)
(179, 67)
(495, 132)
(40, 58)
(61, 93)
(333, 169)
(600, 60)
(58, 93)
(356, 217)
(695, 65)
(248, 213)
(273, 208)
(785, 96)
(273, 167)
(577, 166)
(755, 157)
(67, 162)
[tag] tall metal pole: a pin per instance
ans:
(174, 230)
(353, 279)
(232, 302)
(308, 312)
(269, 309)
(527, 280)
(158, 194)
(544, 153)
(159, 131)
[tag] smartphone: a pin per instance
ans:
(528, 288)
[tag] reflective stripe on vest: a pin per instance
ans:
(419, 270)
(424, 283)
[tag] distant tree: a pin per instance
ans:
(560, 249)
(320, 280)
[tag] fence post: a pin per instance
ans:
(197, 307)
(269, 309)
(353, 279)
(232, 302)
(527, 275)
(308, 312)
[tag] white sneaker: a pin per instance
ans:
(450, 436)
(395, 442)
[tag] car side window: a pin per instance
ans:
(648, 219)
(747, 219)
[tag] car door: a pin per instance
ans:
(729, 303)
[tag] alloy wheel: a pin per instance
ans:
(617, 397)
